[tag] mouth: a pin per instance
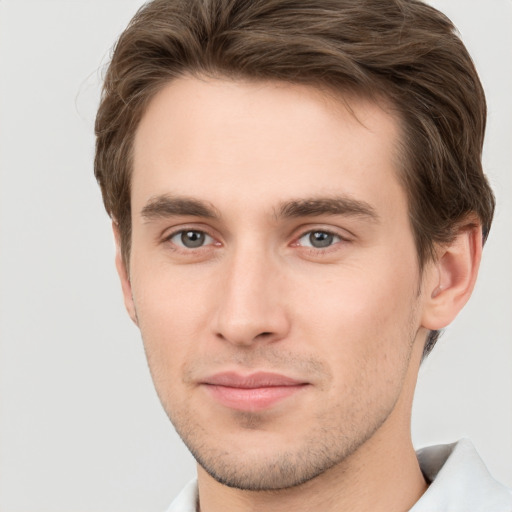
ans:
(254, 392)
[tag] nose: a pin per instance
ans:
(251, 304)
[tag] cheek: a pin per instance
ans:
(366, 338)
(167, 296)
(360, 319)
(172, 316)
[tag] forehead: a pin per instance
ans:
(262, 141)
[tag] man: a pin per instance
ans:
(299, 207)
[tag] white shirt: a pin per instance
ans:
(459, 482)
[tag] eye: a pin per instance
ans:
(191, 239)
(318, 239)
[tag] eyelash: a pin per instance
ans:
(296, 243)
(320, 250)
(168, 239)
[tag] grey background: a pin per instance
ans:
(81, 428)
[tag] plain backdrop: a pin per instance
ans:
(81, 428)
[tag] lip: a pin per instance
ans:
(254, 392)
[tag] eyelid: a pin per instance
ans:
(207, 239)
(343, 234)
(302, 231)
(334, 235)
(169, 233)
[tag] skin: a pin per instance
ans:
(234, 164)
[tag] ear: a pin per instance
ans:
(452, 277)
(124, 276)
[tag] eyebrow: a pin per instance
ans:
(162, 206)
(340, 205)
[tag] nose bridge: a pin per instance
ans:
(251, 304)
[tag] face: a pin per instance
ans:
(273, 275)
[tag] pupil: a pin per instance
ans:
(320, 239)
(192, 239)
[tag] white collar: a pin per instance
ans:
(460, 481)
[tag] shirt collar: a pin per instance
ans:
(459, 481)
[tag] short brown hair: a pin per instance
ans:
(401, 50)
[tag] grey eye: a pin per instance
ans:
(318, 239)
(191, 239)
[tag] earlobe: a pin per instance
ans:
(124, 276)
(452, 277)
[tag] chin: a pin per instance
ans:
(282, 471)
